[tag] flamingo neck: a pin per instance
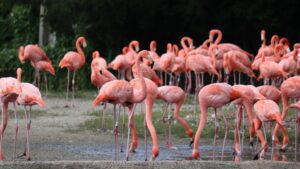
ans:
(21, 54)
(219, 37)
(19, 75)
(274, 40)
(79, 50)
(183, 44)
(153, 46)
(140, 76)
(213, 55)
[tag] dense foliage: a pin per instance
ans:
(108, 25)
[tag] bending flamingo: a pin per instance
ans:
(10, 89)
(73, 61)
(267, 110)
(175, 95)
(214, 95)
(29, 96)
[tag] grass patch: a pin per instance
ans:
(21, 114)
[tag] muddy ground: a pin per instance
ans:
(57, 141)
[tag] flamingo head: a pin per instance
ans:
(96, 54)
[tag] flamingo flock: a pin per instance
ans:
(144, 76)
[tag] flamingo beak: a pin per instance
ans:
(84, 44)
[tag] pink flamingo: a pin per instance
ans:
(267, 110)
(267, 50)
(126, 94)
(270, 92)
(270, 69)
(29, 96)
(167, 60)
(73, 61)
(45, 67)
(35, 54)
(213, 95)
(237, 61)
(175, 95)
(289, 65)
(290, 89)
(10, 89)
(120, 63)
(99, 61)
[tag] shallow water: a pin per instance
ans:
(178, 152)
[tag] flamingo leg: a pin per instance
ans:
(73, 89)
(16, 130)
(130, 115)
(28, 124)
(296, 135)
(237, 148)
(103, 117)
(260, 154)
(145, 135)
(116, 134)
(216, 133)
(234, 78)
(212, 78)
(123, 129)
(67, 96)
(244, 128)
(226, 132)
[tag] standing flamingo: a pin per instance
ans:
(174, 94)
(73, 61)
(10, 89)
(125, 93)
(120, 63)
(214, 95)
(290, 89)
(29, 96)
(267, 110)
(289, 65)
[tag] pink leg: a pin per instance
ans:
(67, 96)
(46, 84)
(16, 130)
(73, 89)
(130, 115)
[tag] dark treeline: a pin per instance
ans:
(108, 25)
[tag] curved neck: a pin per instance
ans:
(175, 49)
(183, 44)
(140, 76)
(211, 52)
(79, 50)
(169, 48)
(219, 37)
(274, 40)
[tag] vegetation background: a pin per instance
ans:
(108, 25)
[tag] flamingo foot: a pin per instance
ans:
(153, 157)
(66, 106)
(28, 158)
(283, 148)
(21, 155)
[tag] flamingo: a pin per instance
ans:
(290, 89)
(46, 67)
(270, 92)
(175, 95)
(214, 95)
(134, 47)
(73, 61)
(237, 61)
(29, 96)
(267, 50)
(120, 63)
(35, 54)
(10, 89)
(296, 106)
(289, 65)
(253, 95)
(167, 60)
(267, 110)
(99, 61)
(126, 94)
(270, 69)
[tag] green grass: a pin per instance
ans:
(21, 114)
